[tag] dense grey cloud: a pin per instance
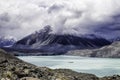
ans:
(19, 18)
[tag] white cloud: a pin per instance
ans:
(21, 17)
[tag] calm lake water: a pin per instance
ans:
(98, 66)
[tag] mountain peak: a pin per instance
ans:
(6, 41)
(47, 41)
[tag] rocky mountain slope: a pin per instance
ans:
(44, 40)
(12, 68)
(111, 51)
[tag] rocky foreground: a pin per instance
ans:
(12, 68)
(110, 51)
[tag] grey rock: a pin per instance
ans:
(110, 51)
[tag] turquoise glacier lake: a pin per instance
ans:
(98, 66)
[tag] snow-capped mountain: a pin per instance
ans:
(7, 41)
(115, 39)
(47, 41)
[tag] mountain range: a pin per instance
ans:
(45, 41)
(6, 41)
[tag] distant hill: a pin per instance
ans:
(110, 51)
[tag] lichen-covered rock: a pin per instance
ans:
(114, 77)
(29, 78)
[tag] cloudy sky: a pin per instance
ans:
(19, 18)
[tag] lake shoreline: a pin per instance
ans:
(98, 66)
(12, 68)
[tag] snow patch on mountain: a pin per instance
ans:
(7, 41)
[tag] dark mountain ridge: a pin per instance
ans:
(44, 40)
